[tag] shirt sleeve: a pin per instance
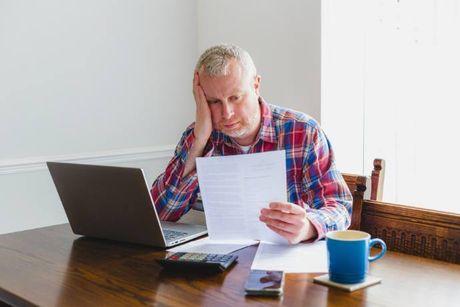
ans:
(172, 193)
(328, 199)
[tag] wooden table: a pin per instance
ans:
(51, 266)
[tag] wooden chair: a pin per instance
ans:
(358, 184)
(413, 230)
(407, 229)
(377, 178)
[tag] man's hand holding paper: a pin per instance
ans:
(289, 221)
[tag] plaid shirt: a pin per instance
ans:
(313, 181)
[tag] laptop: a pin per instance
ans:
(115, 203)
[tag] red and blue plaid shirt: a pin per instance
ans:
(313, 181)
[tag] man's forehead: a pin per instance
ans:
(223, 86)
(235, 81)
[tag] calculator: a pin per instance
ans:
(198, 261)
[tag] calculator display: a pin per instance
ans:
(188, 256)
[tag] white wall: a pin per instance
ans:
(88, 79)
(84, 76)
(283, 38)
(109, 82)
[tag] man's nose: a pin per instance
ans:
(227, 110)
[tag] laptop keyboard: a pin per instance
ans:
(171, 235)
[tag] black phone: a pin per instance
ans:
(261, 282)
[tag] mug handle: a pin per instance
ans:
(382, 252)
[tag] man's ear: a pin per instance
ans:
(257, 79)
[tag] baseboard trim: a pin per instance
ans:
(33, 164)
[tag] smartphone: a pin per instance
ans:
(261, 282)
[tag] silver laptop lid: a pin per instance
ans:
(108, 202)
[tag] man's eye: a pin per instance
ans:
(213, 101)
(234, 98)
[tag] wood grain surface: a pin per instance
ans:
(53, 267)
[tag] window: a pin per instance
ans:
(390, 89)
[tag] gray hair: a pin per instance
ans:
(215, 60)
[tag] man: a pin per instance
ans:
(232, 118)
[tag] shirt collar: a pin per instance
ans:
(267, 130)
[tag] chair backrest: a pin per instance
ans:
(377, 178)
(413, 230)
(358, 184)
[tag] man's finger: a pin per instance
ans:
(286, 207)
(199, 94)
(195, 79)
(290, 228)
(282, 216)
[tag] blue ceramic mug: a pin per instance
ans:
(348, 255)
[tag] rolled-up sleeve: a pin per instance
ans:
(173, 194)
(328, 200)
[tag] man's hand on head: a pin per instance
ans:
(203, 126)
(203, 121)
(289, 221)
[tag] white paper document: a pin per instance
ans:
(300, 258)
(206, 245)
(235, 188)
